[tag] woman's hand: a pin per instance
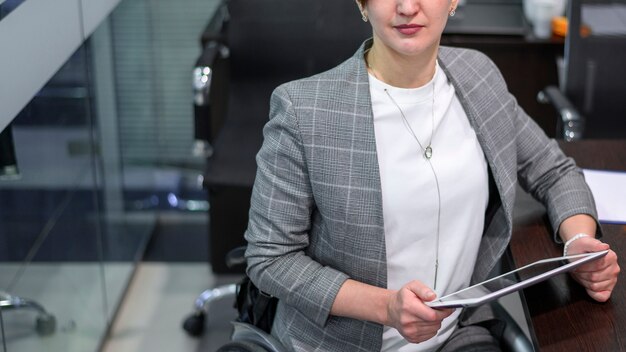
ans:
(407, 312)
(599, 276)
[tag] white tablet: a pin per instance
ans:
(504, 284)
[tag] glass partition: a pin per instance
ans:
(87, 165)
(51, 252)
(68, 241)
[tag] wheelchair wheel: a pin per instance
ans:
(194, 324)
(241, 346)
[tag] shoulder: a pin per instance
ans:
(468, 68)
(336, 82)
(462, 59)
(452, 57)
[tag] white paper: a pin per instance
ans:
(609, 191)
(605, 19)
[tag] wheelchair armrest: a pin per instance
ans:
(250, 333)
(571, 123)
(513, 338)
(236, 256)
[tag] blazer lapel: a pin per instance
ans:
(473, 92)
(367, 142)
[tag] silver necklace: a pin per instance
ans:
(428, 153)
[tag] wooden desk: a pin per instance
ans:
(561, 315)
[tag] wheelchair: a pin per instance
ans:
(245, 337)
(249, 338)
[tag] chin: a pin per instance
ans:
(414, 49)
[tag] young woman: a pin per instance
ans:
(390, 180)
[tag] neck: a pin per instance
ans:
(401, 71)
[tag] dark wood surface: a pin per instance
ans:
(562, 316)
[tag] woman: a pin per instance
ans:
(390, 180)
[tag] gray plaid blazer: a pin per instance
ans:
(316, 214)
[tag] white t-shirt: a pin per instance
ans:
(409, 193)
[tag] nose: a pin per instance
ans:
(407, 7)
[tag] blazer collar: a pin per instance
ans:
(460, 72)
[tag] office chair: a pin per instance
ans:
(248, 49)
(590, 100)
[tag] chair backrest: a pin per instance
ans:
(292, 38)
(595, 71)
(272, 42)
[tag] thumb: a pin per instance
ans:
(587, 245)
(423, 292)
(597, 246)
(601, 246)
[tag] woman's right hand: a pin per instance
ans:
(407, 313)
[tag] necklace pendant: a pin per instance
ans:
(428, 153)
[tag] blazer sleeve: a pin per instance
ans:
(550, 176)
(280, 219)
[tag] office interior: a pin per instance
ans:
(105, 213)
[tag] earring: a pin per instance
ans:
(452, 13)
(363, 17)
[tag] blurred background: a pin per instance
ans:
(96, 171)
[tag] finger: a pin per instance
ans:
(427, 330)
(598, 286)
(608, 273)
(602, 296)
(419, 331)
(609, 260)
(587, 245)
(595, 266)
(423, 292)
(444, 313)
(420, 337)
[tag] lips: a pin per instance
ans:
(408, 29)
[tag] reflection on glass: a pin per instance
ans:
(6, 6)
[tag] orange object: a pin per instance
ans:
(559, 27)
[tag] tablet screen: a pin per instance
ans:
(509, 282)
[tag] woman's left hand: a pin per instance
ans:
(598, 277)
